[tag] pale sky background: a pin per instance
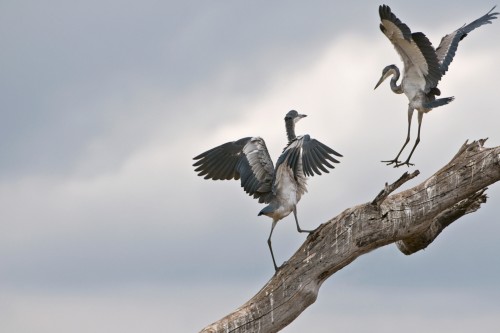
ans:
(105, 227)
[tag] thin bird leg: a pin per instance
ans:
(297, 222)
(420, 116)
(270, 247)
(395, 160)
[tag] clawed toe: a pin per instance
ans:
(395, 161)
(407, 163)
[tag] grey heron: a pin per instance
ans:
(423, 66)
(280, 187)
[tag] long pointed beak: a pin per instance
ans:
(382, 78)
(302, 115)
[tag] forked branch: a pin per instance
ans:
(412, 218)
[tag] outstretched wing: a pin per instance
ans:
(315, 156)
(449, 43)
(246, 159)
(415, 49)
(308, 156)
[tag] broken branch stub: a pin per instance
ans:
(412, 218)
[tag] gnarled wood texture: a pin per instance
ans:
(412, 218)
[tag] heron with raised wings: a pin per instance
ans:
(423, 66)
(280, 187)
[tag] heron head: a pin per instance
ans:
(294, 115)
(386, 72)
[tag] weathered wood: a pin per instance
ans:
(393, 187)
(412, 218)
(420, 241)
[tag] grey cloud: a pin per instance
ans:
(104, 105)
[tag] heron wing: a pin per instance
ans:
(308, 156)
(415, 49)
(449, 43)
(391, 26)
(246, 159)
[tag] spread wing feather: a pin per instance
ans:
(246, 159)
(427, 50)
(449, 43)
(415, 49)
(391, 26)
(317, 155)
(308, 155)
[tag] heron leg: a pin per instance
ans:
(407, 162)
(297, 222)
(395, 160)
(270, 246)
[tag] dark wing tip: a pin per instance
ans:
(386, 14)
(384, 10)
(316, 157)
(330, 150)
(199, 156)
(336, 154)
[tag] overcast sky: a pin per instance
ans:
(105, 227)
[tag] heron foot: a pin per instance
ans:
(407, 163)
(394, 161)
(277, 268)
(308, 231)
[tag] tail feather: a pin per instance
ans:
(269, 209)
(438, 102)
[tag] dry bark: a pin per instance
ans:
(412, 219)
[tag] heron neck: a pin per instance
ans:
(290, 130)
(398, 89)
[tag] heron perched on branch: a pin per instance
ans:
(423, 66)
(281, 187)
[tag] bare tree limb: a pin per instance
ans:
(412, 219)
(420, 241)
(393, 187)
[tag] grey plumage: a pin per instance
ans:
(246, 159)
(423, 66)
(449, 43)
(281, 187)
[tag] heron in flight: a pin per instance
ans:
(280, 187)
(423, 66)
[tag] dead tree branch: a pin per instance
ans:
(412, 219)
